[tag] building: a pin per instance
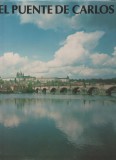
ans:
(8, 79)
(21, 77)
(50, 79)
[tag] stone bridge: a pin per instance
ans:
(96, 89)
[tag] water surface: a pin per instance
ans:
(51, 127)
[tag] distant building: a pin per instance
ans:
(50, 79)
(21, 77)
(63, 79)
(8, 79)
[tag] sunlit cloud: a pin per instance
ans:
(75, 56)
(71, 21)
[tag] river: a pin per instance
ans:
(57, 127)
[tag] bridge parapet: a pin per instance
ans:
(88, 89)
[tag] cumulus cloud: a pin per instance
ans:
(11, 58)
(76, 48)
(114, 53)
(47, 21)
(10, 61)
(70, 21)
(76, 57)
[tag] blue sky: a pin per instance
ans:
(36, 44)
(28, 39)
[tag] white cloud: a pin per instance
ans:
(10, 61)
(49, 21)
(75, 57)
(114, 53)
(99, 59)
(11, 58)
(76, 48)
(67, 21)
(44, 21)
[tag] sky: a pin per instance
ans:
(80, 46)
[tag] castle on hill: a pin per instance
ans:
(22, 77)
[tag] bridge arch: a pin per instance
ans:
(93, 91)
(75, 90)
(63, 90)
(111, 90)
(37, 90)
(53, 90)
(44, 90)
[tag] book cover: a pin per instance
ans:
(57, 80)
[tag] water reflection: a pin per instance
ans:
(83, 123)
